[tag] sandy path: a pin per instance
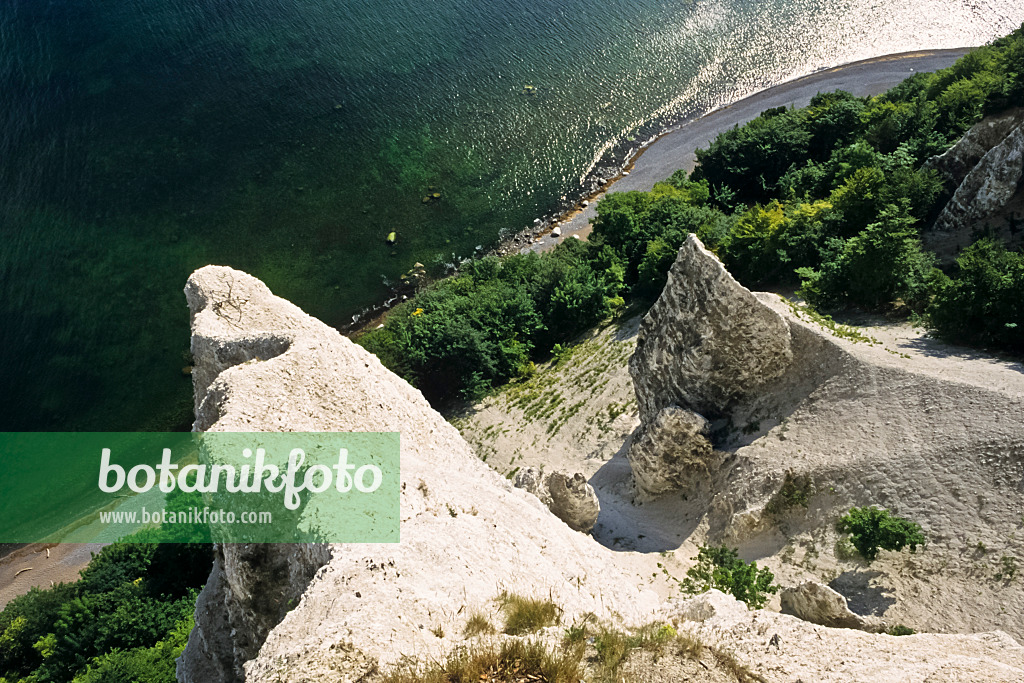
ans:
(676, 149)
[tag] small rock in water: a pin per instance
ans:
(575, 237)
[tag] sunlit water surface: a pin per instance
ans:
(142, 139)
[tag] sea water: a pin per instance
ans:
(141, 139)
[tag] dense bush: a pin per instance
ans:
(643, 226)
(872, 528)
(721, 568)
(983, 301)
(485, 325)
(125, 620)
(882, 263)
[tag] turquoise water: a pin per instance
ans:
(143, 139)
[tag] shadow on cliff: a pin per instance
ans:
(657, 526)
(934, 348)
(862, 597)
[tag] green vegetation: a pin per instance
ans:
(901, 630)
(872, 528)
(831, 197)
(613, 647)
(981, 302)
(1007, 568)
(486, 325)
(721, 568)
(127, 619)
(796, 491)
(527, 615)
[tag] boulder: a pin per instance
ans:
(666, 453)
(817, 603)
(571, 499)
(531, 480)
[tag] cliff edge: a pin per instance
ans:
(334, 612)
(467, 533)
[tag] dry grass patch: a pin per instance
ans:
(514, 661)
(477, 625)
(527, 615)
(613, 647)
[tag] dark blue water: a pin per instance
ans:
(140, 140)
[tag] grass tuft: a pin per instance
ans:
(478, 625)
(527, 615)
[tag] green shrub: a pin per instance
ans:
(901, 630)
(721, 568)
(750, 160)
(485, 326)
(796, 491)
(883, 263)
(872, 528)
(125, 620)
(981, 302)
(153, 665)
(1007, 568)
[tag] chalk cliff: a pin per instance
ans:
(937, 436)
(467, 533)
(318, 612)
(985, 169)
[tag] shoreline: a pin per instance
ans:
(871, 76)
(669, 147)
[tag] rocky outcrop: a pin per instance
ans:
(707, 341)
(318, 612)
(705, 344)
(870, 429)
(959, 160)
(817, 603)
(571, 499)
(778, 647)
(986, 168)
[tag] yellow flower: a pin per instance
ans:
(418, 311)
